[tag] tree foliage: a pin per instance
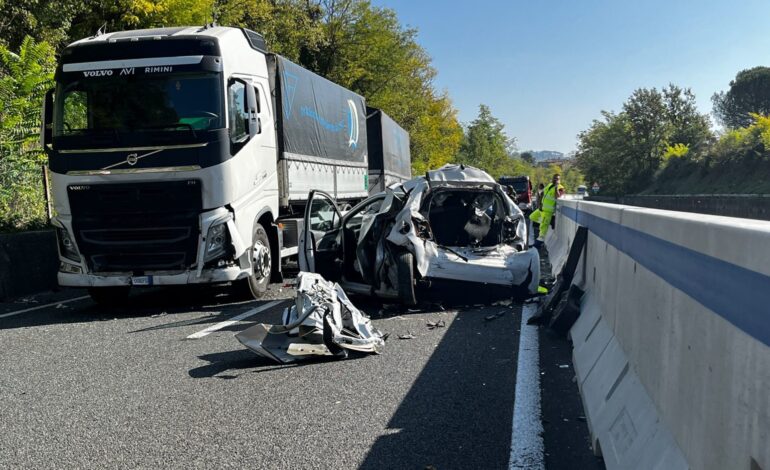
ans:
(25, 76)
(749, 94)
(486, 144)
(623, 151)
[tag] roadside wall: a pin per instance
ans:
(749, 206)
(28, 263)
(671, 349)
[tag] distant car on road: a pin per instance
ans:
(523, 187)
(582, 190)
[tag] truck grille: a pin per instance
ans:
(137, 227)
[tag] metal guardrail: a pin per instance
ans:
(748, 206)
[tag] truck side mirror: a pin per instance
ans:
(255, 126)
(46, 130)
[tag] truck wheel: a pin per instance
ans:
(256, 284)
(405, 268)
(111, 296)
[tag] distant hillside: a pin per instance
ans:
(541, 155)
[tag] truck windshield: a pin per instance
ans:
(139, 103)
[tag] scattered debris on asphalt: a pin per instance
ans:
(407, 336)
(432, 325)
(322, 322)
(494, 316)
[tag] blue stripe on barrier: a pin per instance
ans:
(739, 295)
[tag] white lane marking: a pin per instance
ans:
(234, 320)
(527, 435)
(19, 312)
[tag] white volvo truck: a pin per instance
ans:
(181, 156)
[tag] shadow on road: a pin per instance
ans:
(243, 359)
(459, 411)
(157, 301)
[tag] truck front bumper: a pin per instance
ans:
(207, 276)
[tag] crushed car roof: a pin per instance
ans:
(452, 173)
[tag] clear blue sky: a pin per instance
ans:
(547, 67)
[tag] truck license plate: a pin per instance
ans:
(141, 280)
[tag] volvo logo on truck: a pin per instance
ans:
(97, 73)
(132, 158)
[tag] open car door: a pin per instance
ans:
(320, 247)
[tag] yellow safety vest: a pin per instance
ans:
(549, 198)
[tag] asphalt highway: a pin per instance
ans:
(161, 382)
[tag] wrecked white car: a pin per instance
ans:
(453, 224)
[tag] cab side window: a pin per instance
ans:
(238, 111)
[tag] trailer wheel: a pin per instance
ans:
(405, 268)
(111, 296)
(255, 285)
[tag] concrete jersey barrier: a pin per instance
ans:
(671, 349)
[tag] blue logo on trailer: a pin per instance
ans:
(289, 90)
(290, 84)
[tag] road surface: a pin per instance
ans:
(162, 383)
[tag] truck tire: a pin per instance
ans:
(111, 296)
(405, 268)
(256, 284)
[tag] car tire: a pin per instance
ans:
(256, 284)
(111, 296)
(405, 268)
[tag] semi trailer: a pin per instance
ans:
(390, 161)
(186, 155)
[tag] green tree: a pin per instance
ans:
(528, 158)
(749, 93)
(24, 78)
(624, 151)
(486, 144)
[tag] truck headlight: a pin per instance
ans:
(67, 246)
(216, 241)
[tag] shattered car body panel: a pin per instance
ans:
(455, 223)
(322, 322)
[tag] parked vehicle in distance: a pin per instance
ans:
(523, 187)
(453, 224)
(582, 190)
(185, 156)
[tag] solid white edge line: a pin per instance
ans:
(18, 312)
(527, 434)
(234, 320)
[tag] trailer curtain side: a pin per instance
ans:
(390, 160)
(322, 140)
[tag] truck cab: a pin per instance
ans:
(162, 149)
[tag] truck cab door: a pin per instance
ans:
(320, 241)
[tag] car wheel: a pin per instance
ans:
(405, 268)
(256, 284)
(111, 296)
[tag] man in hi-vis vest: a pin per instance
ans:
(551, 192)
